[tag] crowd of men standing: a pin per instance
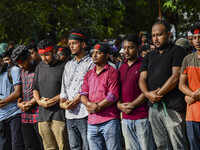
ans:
(50, 102)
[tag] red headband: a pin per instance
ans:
(19, 61)
(47, 49)
(77, 34)
(97, 46)
(60, 49)
(197, 31)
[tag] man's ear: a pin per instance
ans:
(54, 51)
(169, 35)
(83, 44)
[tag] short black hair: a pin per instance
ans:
(133, 38)
(45, 43)
(165, 23)
(32, 45)
(20, 51)
(7, 53)
(195, 26)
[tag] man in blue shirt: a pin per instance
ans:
(10, 136)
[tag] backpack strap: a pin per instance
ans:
(9, 74)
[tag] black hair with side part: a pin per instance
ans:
(32, 45)
(7, 53)
(20, 51)
(133, 38)
(45, 43)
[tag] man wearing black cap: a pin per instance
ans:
(189, 84)
(99, 93)
(47, 86)
(27, 104)
(72, 80)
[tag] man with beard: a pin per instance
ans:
(159, 83)
(46, 92)
(74, 72)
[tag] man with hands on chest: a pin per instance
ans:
(135, 123)
(99, 93)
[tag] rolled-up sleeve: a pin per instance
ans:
(114, 86)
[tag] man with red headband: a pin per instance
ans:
(47, 86)
(100, 93)
(189, 84)
(74, 72)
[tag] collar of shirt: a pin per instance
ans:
(137, 61)
(82, 59)
(106, 67)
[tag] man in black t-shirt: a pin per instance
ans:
(159, 83)
(47, 86)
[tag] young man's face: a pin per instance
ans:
(47, 57)
(25, 65)
(196, 41)
(7, 60)
(76, 46)
(62, 56)
(130, 50)
(190, 38)
(99, 57)
(34, 55)
(160, 36)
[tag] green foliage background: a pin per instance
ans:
(21, 20)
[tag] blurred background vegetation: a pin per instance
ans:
(21, 20)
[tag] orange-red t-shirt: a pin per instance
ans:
(191, 67)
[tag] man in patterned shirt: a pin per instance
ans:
(27, 103)
(72, 80)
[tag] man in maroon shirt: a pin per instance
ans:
(135, 124)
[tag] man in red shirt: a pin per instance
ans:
(99, 93)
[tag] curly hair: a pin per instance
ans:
(45, 43)
(19, 52)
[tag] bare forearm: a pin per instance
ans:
(169, 85)
(55, 98)
(32, 101)
(139, 100)
(14, 95)
(36, 95)
(143, 86)
(104, 103)
(85, 100)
